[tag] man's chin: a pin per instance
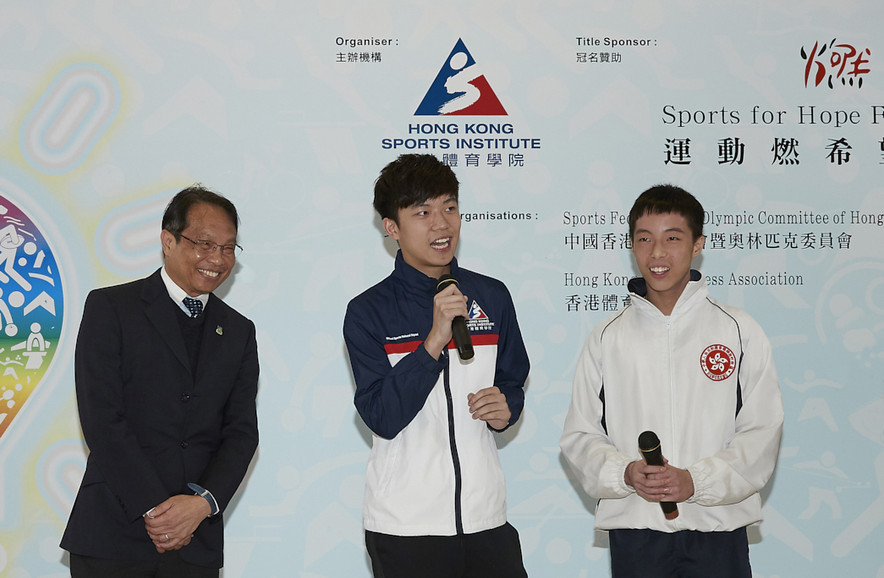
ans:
(209, 287)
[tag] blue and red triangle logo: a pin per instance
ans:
(476, 312)
(460, 88)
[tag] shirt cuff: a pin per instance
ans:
(201, 491)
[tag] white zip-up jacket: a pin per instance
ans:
(703, 379)
(433, 469)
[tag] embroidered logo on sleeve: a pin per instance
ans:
(718, 362)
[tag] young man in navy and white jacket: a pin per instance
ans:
(435, 498)
(699, 374)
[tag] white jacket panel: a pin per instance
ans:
(684, 377)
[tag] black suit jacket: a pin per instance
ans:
(153, 423)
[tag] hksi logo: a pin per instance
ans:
(460, 88)
(476, 312)
(839, 62)
(718, 362)
(478, 320)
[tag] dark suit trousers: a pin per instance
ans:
(167, 565)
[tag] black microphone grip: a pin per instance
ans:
(459, 331)
(649, 444)
(462, 338)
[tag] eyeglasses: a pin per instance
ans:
(204, 247)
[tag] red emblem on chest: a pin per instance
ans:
(718, 362)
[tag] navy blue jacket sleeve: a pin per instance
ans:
(387, 397)
(512, 367)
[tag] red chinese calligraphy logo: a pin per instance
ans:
(838, 62)
(718, 362)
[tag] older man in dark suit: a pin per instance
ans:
(166, 379)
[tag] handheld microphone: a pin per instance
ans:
(649, 444)
(459, 331)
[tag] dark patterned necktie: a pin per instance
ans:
(195, 306)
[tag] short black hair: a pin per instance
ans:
(412, 179)
(175, 216)
(668, 199)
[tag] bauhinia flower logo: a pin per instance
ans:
(718, 362)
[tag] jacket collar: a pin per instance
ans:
(161, 310)
(415, 282)
(695, 289)
(177, 294)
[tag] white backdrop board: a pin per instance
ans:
(772, 114)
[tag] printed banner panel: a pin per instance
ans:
(554, 117)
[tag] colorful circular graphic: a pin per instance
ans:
(718, 362)
(31, 309)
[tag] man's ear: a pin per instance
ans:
(391, 228)
(166, 240)
(699, 243)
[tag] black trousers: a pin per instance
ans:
(166, 565)
(493, 553)
(685, 554)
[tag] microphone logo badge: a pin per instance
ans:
(718, 362)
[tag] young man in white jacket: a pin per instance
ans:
(699, 374)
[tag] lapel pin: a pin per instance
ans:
(219, 330)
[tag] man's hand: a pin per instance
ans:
(171, 524)
(490, 406)
(447, 304)
(659, 483)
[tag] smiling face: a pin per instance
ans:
(194, 271)
(427, 234)
(664, 247)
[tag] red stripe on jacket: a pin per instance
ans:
(410, 346)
